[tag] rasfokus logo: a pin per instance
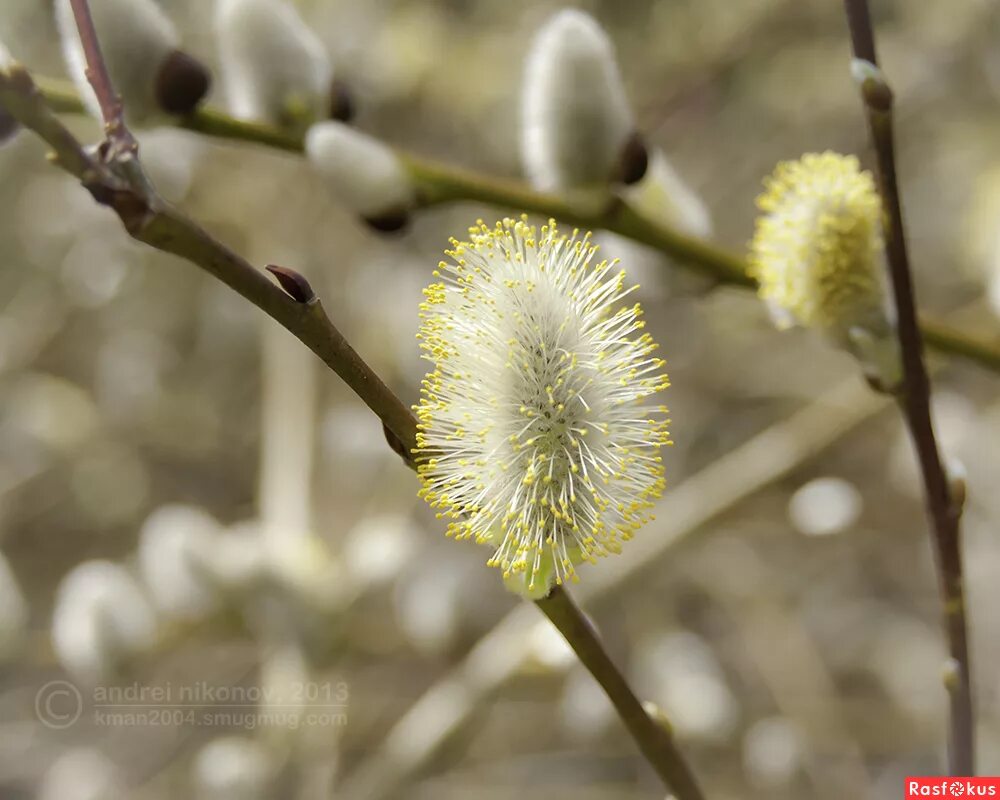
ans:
(952, 787)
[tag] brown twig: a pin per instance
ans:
(150, 219)
(945, 514)
(120, 139)
(653, 738)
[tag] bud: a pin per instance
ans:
(13, 612)
(176, 547)
(234, 768)
(658, 715)
(577, 127)
(818, 255)
(662, 195)
(958, 486)
(181, 83)
(140, 48)
(274, 67)
(100, 619)
(363, 173)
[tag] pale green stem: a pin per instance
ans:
(439, 183)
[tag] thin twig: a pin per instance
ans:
(120, 139)
(914, 398)
(436, 718)
(653, 738)
(439, 184)
(149, 219)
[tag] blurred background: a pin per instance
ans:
(787, 615)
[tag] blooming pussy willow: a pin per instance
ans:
(818, 255)
(532, 436)
(817, 249)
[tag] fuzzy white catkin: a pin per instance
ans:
(101, 617)
(136, 37)
(176, 548)
(13, 611)
(576, 119)
(233, 768)
(82, 774)
(273, 65)
(364, 174)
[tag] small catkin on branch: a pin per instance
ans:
(945, 513)
(116, 180)
(438, 184)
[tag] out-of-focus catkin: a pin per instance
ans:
(274, 67)
(577, 126)
(361, 172)
(818, 256)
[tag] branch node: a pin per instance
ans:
(874, 87)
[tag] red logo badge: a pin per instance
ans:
(944, 787)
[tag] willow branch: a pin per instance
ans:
(442, 711)
(944, 513)
(439, 184)
(653, 738)
(149, 219)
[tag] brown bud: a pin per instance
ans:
(341, 102)
(181, 83)
(8, 125)
(634, 160)
(391, 221)
(294, 283)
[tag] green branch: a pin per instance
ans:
(440, 183)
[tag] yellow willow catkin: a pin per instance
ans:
(532, 431)
(817, 249)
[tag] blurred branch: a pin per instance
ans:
(441, 712)
(777, 641)
(439, 183)
(914, 399)
(119, 183)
